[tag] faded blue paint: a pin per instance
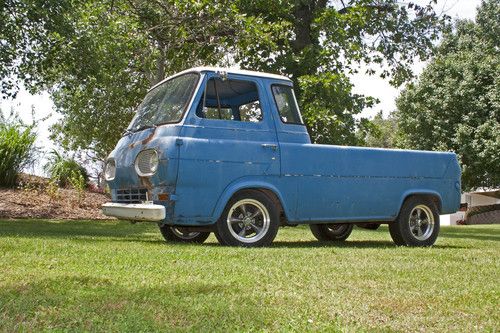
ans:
(203, 162)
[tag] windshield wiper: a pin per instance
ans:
(127, 132)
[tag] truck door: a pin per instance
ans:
(227, 136)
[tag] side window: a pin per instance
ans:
(251, 112)
(286, 104)
(213, 113)
(234, 100)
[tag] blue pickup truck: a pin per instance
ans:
(226, 151)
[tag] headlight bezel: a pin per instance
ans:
(147, 166)
(110, 170)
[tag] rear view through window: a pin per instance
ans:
(286, 104)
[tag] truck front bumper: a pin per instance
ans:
(135, 212)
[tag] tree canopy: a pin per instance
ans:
(98, 58)
(455, 104)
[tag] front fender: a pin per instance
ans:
(248, 183)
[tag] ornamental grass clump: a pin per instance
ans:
(16, 150)
(63, 170)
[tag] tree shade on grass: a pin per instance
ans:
(113, 276)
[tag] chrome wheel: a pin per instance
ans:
(421, 222)
(182, 234)
(248, 220)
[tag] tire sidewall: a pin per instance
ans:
(225, 237)
(323, 233)
(171, 236)
(401, 228)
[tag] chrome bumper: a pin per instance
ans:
(135, 212)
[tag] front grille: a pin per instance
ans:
(132, 195)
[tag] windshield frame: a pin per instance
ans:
(186, 106)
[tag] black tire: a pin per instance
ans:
(417, 223)
(248, 212)
(369, 226)
(177, 235)
(336, 232)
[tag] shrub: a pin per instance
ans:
(16, 150)
(78, 182)
(62, 170)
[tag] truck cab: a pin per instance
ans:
(226, 151)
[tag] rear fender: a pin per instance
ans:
(421, 192)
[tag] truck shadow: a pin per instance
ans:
(121, 231)
(349, 244)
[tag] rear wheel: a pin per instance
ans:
(181, 235)
(250, 219)
(417, 223)
(331, 232)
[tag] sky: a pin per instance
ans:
(380, 88)
(363, 84)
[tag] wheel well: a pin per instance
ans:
(434, 198)
(273, 196)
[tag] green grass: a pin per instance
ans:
(114, 276)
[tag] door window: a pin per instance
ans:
(234, 100)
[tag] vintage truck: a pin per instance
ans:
(226, 151)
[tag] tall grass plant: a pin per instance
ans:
(64, 170)
(17, 149)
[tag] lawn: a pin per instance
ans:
(114, 276)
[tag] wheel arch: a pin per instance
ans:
(432, 195)
(265, 187)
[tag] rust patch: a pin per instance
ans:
(150, 137)
(146, 140)
(146, 182)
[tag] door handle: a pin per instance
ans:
(270, 146)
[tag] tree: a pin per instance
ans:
(383, 132)
(99, 58)
(318, 43)
(455, 105)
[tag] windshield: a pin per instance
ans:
(165, 103)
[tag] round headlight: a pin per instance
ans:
(146, 162)
(110, 170)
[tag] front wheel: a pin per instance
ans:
(181, 235)
(417, 223)
(331, 232)
(250, 219)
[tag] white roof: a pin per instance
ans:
(227, 70)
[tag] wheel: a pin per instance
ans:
(179, 235)
(417, 223)
(250, 219)
(331, 232)
(369, 226)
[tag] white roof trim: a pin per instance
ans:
(227, 70)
